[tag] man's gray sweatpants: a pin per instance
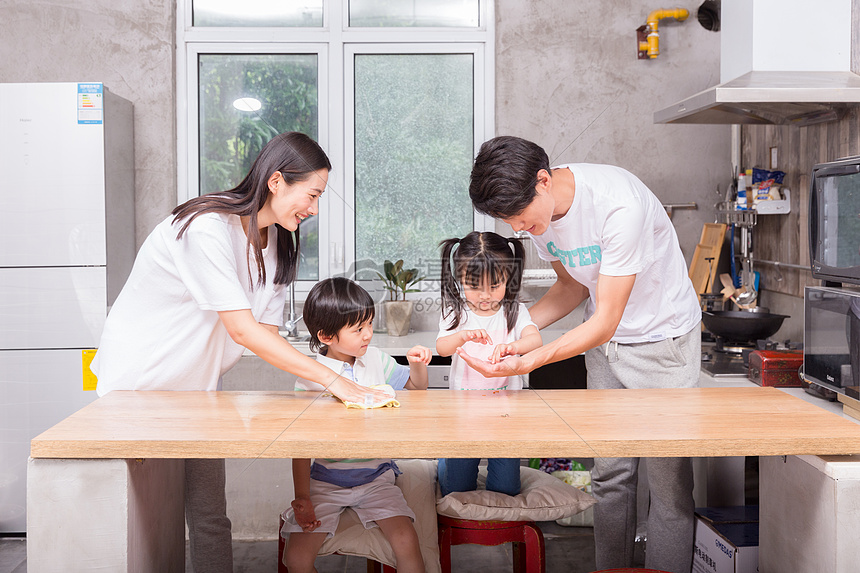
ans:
(669, 363)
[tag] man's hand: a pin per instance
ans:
(502, 350)
(510, 366)
(305, 516)
(419, 354)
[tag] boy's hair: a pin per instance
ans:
(473, 258)
(333, 304)
(504, 176)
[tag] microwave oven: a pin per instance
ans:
(831, 339)
(834, 221)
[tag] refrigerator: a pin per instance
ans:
(66, 248)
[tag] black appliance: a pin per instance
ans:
(831, 339)
(834, 221)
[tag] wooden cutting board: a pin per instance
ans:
(702, 271)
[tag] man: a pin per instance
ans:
(610, 241)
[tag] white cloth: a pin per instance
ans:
(462, 376)
(617, 227)
(163, 332)
(375, 367)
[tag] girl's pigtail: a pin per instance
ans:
(452, 303)
(515, 281)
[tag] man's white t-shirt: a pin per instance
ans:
(462, 376)
(163, 332)
(616, 227)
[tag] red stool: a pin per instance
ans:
(629, 570)
(372, 566)
(527, 539)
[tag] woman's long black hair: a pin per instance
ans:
(480, 256)
(296, 156)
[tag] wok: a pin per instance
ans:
(740, 326)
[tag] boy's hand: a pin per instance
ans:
(479, 335)
(419, 354)
(502, 350)
(305, 516)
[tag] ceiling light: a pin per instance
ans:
(247, 104)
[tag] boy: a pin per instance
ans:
(339, 315)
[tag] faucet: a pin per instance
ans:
(292, 323)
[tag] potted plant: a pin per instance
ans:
(398, 281)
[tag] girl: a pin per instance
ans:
(481, 277)
(209, 281)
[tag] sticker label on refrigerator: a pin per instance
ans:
(91, 103)
(90, 379)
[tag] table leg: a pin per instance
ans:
(105, 515)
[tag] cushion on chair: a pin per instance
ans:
(542, 498)
(418, 483)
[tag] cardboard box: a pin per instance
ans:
(726, 540)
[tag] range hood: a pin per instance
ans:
(784, 66)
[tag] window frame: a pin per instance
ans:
(335, 46)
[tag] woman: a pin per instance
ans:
(208, 282)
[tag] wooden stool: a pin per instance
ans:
(527, 539)
(372, 566)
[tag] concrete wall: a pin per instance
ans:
(567, 78)
(129, 46)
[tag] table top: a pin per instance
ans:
(449, 423)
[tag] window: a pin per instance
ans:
(398, 94)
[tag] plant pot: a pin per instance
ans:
(398, 315)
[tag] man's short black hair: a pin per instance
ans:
(333, 304)
(504, 176)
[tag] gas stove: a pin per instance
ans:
(723, 359)
(723, 364)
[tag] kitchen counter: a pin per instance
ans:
(400, 345)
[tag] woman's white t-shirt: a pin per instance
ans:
(462, 376)
(163, 332)
(617, 227)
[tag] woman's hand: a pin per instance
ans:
(349, 391)
(305, 516)
(419, 354)
(478, 335)
(502, 350)
(510, 366)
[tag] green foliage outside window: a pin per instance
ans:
(230, 139)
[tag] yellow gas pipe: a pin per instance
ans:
(652, 45)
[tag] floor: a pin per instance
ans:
(569, 549)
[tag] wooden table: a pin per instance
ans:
(440, 423)
(107, 481)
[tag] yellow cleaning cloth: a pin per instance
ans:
(388, 402)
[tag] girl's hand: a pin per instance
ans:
(502, 350)
(510, 366)
(349, 391)
(479, 335)
(305, 516)
(418, 354)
